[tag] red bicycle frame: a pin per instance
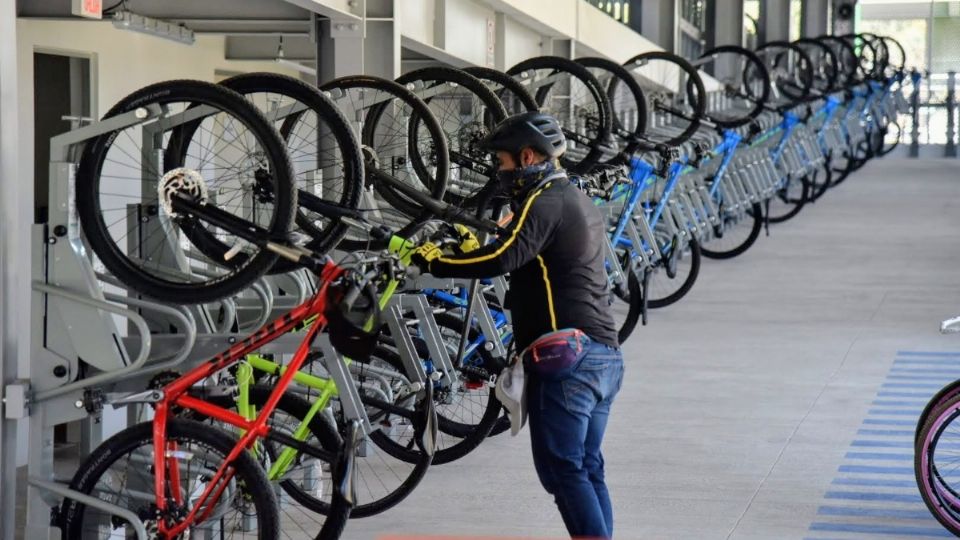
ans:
(175, 394)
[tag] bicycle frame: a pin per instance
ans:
(175, 394)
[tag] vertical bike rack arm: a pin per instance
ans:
(133, 316)
(66, 493)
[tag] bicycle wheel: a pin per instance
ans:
(514, 97)
(823, 61)
(942, 396)
(663, 290)
(325, 154)
(936, 465)
(791, 73)
(379, 110)
(467, 111)
(675, 95)
(628, 311)
(788, 199)
(120, 471)
(237, 162)
(381, 482)
(739, 233)
(567, 90)
(746, 84)
(628, 107)
(308, 480)
(848, 73)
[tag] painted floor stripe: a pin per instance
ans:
(925, 362)
(918, 395)
(911, 385)
(881, 529)
(886, 432)
(889, 422)
(895, 412)
(874, 469)
(871, 496)
(946, 370)
(900, 403)
(929, 353)
(879, 456)
(894, 513)
(882, 444)
(876, 482)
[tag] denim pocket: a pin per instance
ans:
(578, 395)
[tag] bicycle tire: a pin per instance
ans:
(244, 270)
(631, 138)
(794, 204)
(412, 215)
(323, 239)
(465, 152)
(599, 111)
(99, 461)
(925, 469)
(297, 407)
(943, 395)
(685, 284)
(847, 61)
(694, 83)
(634, 307)
(756, 215)
(759, 102)
(827, 68)
(519, 100)
(800, 89)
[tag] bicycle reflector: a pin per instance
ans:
(351, 310)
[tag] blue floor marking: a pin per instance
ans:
(876, 482)
(935, 532)
(889, 422)
(873, 512)
(886, 432)
(874, 493)
(874, 469)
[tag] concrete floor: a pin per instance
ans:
(743, 410)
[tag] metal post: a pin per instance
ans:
(774, 20)
(951, 148)
(724, 23)
(915, 115)
(813, 17)
(14, 284)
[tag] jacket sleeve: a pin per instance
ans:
(529, 233)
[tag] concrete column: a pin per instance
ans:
(724, 23)
(345, 47)
(658, 22)
(813, 17)
(774, 20)
(14, 235)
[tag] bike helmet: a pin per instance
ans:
(350, 306)
(535, 130)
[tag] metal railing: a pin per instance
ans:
(933, 114)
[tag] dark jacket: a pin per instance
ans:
(554, 254)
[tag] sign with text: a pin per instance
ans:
(91, 9)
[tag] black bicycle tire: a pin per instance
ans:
(95, 229)
(847, 69)
(438, 184)
(807, 84)
(701, 106)
(634, 308)
(333, 118)
(832, 80)
(797, 207)
(756, 213)
(246, 467)
(687, 283)
(626, 78)
(507, 82)
(761, 102)
(605, 124)
(495, 109)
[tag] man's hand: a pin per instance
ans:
(423, 254)
(468, 240)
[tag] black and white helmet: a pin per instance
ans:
(535, 130)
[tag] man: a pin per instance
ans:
(553, 251)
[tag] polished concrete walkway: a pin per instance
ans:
(744, 405)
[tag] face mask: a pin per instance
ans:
(516, 181)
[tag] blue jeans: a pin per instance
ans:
(567, 420)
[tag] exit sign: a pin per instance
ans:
(91, 9)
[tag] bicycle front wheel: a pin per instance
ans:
(121, 472)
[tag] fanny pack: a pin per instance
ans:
(555, 354)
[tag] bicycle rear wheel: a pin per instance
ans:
(514, 97)
(379, 110)
(746, 84)
(628, 107)
(791, 73)
(664, 290)
(935, 464)
(676, 98)
(120, 471)
(237, 162)
(568, 91)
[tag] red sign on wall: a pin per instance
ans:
(91, 9)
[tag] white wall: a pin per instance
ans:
(465, 27)
(417, 19)
(520, 42)
(123, 62)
